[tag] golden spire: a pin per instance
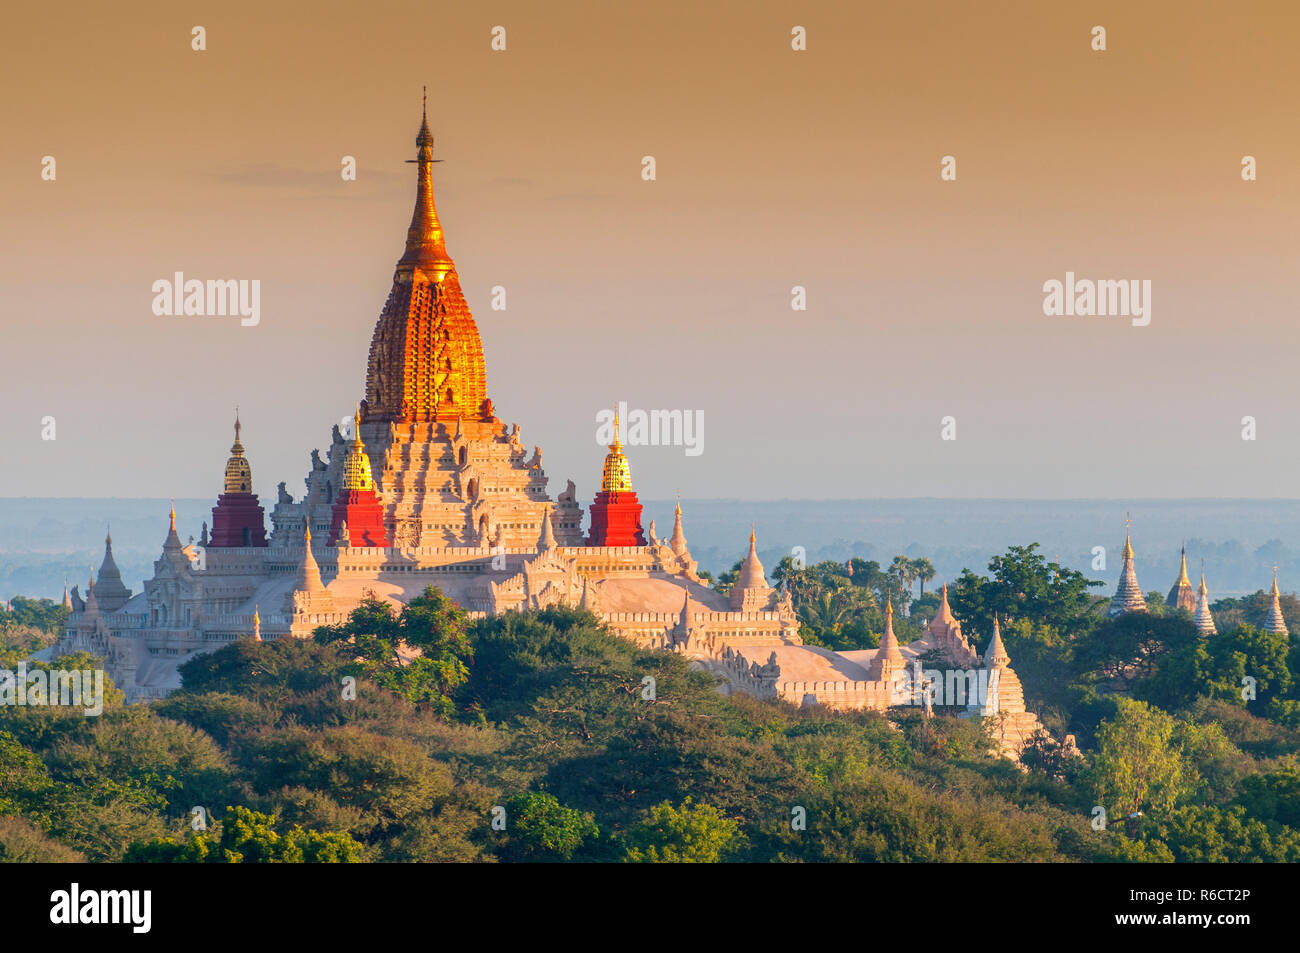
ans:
(425, 247)
(617, 475)
(173, 516)
(1128, 546)
(239, 475)
(1182, 578)
(356, 465)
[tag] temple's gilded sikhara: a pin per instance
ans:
(426, 358)
(433, 488)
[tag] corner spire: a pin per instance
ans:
(752, 575)
(172, 544)
(546, 539)
(309, 572)
(678, 539)
(888, 658)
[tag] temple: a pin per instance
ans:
(432, 487)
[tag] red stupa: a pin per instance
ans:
(238, 519)
(615, 513)
(358, 516)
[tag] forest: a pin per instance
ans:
(539, 736)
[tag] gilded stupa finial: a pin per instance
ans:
(239, 475)
(616, 477)
(356, 465)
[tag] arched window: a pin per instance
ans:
(464, 455)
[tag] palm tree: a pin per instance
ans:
(825, 614)
(923, 571)
(903, 566)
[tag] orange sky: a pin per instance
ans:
(775, 168)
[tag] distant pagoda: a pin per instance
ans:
(1203, 619)
(1181, 595)
(1128, 594)
(1275, 623)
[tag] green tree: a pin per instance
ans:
(1022, 584)
(420, 653)
(541, 828)
(691, 833)
(1129, 647)
(726, 580)
(249, 837)
(1137, 765)
(922, 571)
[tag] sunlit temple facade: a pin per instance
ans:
(430, 486)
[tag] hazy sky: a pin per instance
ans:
(775, 168)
